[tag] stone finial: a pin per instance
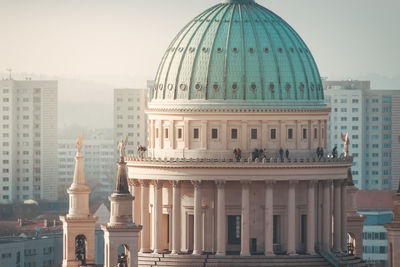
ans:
(346, 142)
(79, 141)
(122, 146)
(349, 178)
(121, 185)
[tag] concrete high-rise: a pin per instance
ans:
(99, 163)
(28, 131)
(372, 119)
(129, 118)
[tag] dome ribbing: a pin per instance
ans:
(240, 53)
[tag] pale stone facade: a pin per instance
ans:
(121, 231)
(78, 224)
(192, 188)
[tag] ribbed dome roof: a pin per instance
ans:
(237, 53)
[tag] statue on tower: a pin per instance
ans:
(346, 141)
(122, 146)
(79, 141)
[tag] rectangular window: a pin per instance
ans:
(180, 133)
(196, 133)
(315, 133)
(234, 133)
(273, 134)
(355, 101)
(156, 132)
(166, 133)
(354, 119)
(253, 134)
(214, 133)
(234, 227)
(304, 133)
(290, 133)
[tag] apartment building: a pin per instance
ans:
(372, 119)
(28, 131)
(99, 162)
(129, 118)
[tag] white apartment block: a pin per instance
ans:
(99, 163)
(129, 118)
(28, 131)
(372, 119)
(45, 251)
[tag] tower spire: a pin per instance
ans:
(121, 229)
(79, 191)
(78, 225)
(79, 181)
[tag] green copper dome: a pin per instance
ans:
(237, 54)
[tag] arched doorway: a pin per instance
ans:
(351, 243)
(80, 248)
(124, 256)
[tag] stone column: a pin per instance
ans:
(136, 203)
(245, 231)
(326, 217)
(221, 219)
(204, 139)
(264, 134)
(176, 217)
(197, 218)
(186, 132)
(337, 242)
(291, 250)
(319, 214)
(145, 217)
(269, 219)
(161, 133)
(343, 215)
(157, 218)
(224, 134)
(311, 217)
(244, 135)
(171, 136)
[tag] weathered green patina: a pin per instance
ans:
(238, 53)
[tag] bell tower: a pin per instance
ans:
(78, 224)
(121, 233)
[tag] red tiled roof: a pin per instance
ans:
(375, 200)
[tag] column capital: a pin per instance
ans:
(313, 182)
(144, 183)
(174, 183)
(327, 182)
(220, 183)
(158, 184)
(245, 183)
(338, 182)
(270, 182)
(134, 182)
(196, 183)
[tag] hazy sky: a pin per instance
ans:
(104, 38)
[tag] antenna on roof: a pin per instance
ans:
(9, 71)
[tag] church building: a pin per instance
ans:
(236, 172)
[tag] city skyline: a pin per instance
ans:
(108, 44)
